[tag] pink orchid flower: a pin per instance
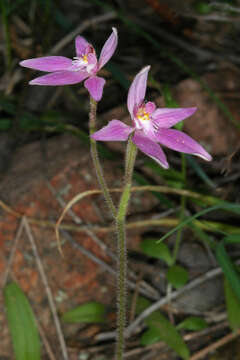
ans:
(151, 126)
(64, 71)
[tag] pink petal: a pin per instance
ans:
(150, 148)
(166, 117)
(60, 78)
(48, 63)
(108, 48)
(81, 45)
(137, 90)
(115, 131)
(150, 107)
(95, 86)
(178, 141)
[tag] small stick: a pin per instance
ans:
(12, 254)
(79, 29)
(134, 299)
(168, 222)
(100, 262)
(223, 341)
(206, 332)
(45, 341)
(192, 284)
(47, 288)
(155, 306)
(152, 292)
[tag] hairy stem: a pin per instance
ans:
(95, 158)
(122, 248)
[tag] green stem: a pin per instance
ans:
(122, 248)
(95, 158)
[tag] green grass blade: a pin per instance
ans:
(22, 324)
(202, 235)
(228, 268)
(118, 75)
(233, 306)
(168, 333)
(91, 312)
(230, 207)
(200, 172)
(141, 180)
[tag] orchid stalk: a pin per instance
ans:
(122, 247)
(150, 127)
(95, 158)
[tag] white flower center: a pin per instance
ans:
(144, 121)
(80, 63)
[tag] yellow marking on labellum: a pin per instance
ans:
(80, 61)
(142, 114)
(85, 58)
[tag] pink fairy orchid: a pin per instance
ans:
(151, 126)
(64, 71)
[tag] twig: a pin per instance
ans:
(79, 29)
(134, 299)
(224, 6)
(102, 263)
(187, 46)
(212, 17)
(45, 341)
(227, 168)
(187, 337)
(194, 283)
(140, 350)
(206, 332)
(12, 253)
(224, 340)
(47, 288)
(202, 54)
(163, 189)
(78, 220)
(152, 292)
(209, 200)
(168, 222)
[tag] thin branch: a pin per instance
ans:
(219, 343)
(192, 284)
(167, 222)
(78, 220)
(152, 292)
(224, 6)
(12, 253)
(79, 29)
(213, 17)
(45, 341)
(102, 263)
(155, 306)
(187, 337)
